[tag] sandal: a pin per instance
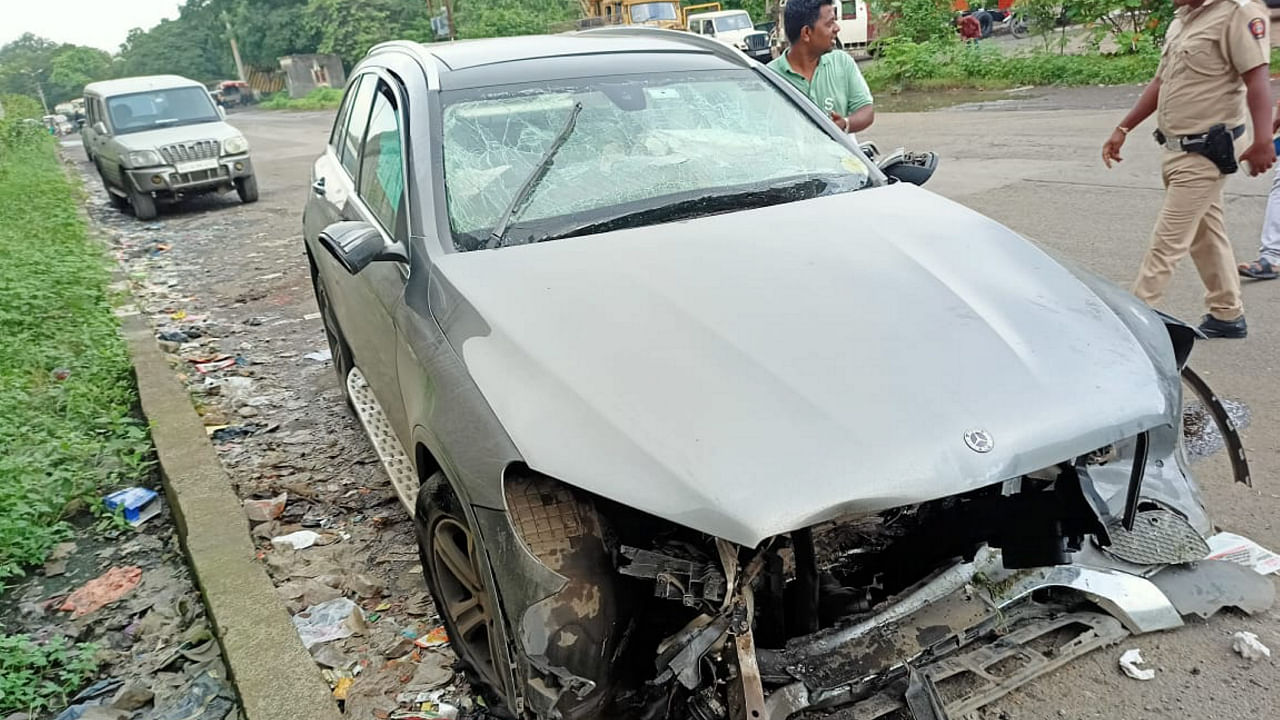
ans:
(1260, 269)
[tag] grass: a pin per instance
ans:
(951, 65)
(67, 426)
(36, 678)
(318, 99)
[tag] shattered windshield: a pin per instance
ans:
(640, 144)
(160, 108)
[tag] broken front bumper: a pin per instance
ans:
(193, 176)
(973, 633)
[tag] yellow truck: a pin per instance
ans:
(657, 13)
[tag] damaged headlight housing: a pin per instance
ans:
(143, 158)
(235, 145)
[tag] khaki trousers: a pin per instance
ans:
(1191, 221)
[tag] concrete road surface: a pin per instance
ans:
(1033, 163)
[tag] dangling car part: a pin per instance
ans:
(666, 454)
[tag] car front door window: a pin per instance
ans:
(357, 120)
(381, 184)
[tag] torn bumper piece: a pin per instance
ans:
(973, 633)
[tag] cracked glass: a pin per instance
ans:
(640, 143)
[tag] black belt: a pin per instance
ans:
(1190, 143)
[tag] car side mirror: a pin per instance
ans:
(356, 244)
(100, 128)
(914, 168)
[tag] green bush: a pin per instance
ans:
(917, 20)
(38, 678)
(904, 65)
(318, 99)
(17, 107)
(67, 428)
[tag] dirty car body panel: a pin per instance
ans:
(676, 448)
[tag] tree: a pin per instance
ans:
(73, 67)
(25, 65)
(498, 18)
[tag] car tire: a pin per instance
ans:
(247, 188)
(467, 607)
(117, 202)
(144, 205)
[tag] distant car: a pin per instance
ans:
(680, 441)
(732, 28)
(162, 137)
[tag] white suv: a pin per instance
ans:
(162, 137)
(733, 28)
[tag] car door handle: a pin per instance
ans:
(317, 187)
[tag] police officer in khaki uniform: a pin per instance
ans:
(1212, 69)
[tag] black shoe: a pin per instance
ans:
(1215, 328)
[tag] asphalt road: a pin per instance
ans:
(1030, 161)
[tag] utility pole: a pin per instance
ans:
(235, 49)
(40, 91)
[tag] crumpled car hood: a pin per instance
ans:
(752, 373)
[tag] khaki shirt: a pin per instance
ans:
(1205, 52)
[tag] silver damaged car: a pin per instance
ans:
(680, 442)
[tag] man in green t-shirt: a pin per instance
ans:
(832, 80)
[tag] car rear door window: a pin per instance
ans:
(381, 184)
(357, 120)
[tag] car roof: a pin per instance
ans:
(474, 53)
(142, 83)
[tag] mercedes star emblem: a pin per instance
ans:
(979, 441)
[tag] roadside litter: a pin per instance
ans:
(102, 590)
(139, 504)
(1129, 663)
(1249, 647)
(264, 510)
(299, 540)
(435, 638)
(332, 620)
(1243, 551)
(322, 356)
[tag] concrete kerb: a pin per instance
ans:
(273, 672)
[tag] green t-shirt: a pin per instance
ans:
(837, 84)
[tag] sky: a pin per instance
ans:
(96, 23)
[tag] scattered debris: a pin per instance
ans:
(60, 374)
(1249, 647)
(207, 697)
(1129, 663)
(324, 355)
(1243, 551)
(299, 540)
(132, 696)
(332, 620)
(102, 590)
(139, 504)
(227, 433)
(264, 510)
(435, 638)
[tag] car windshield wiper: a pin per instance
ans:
(683, 209)
(521, 199)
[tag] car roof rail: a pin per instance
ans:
(426, 59)
(715, 47)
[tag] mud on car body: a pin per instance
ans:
(681, 444)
